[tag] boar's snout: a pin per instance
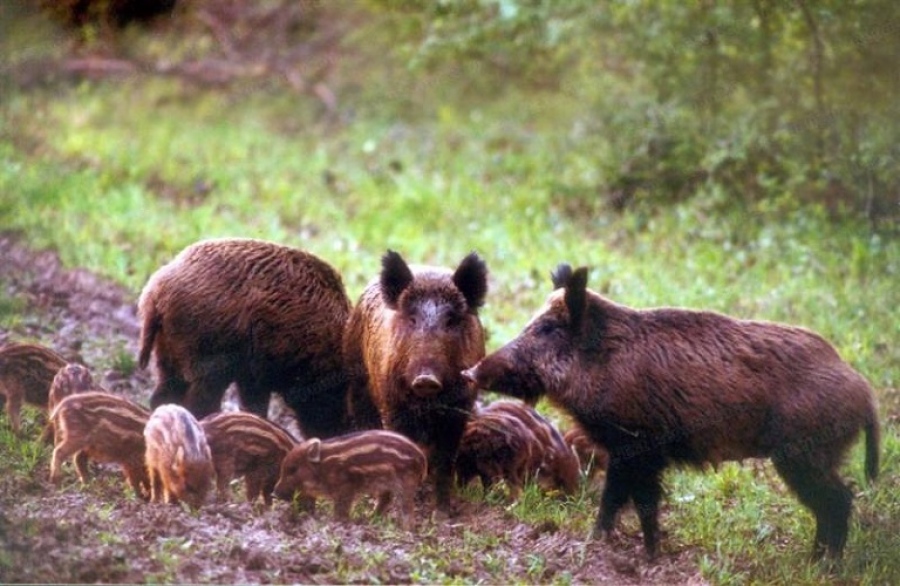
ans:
(469, 375)
(426, 384)
(283, 492)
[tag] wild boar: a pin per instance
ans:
(374, 462)
(667, 385)
(71, 379)
(178, 458)
(26, 372)
(495, 447)
(104, 428)
(412, 333)
(557, 465)
(591, 458)
(248, 446)
(264, 316)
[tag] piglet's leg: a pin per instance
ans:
(384, 501)
(342, 505)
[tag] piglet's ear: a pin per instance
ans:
(576, 297)
(470, 278)
(561, 275)
(314, 450)
(395, 278)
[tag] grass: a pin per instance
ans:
(120, 190)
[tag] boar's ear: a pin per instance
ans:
(576, 297)
(314, 450)
(395, 277)
(561, 275)
(470, 278)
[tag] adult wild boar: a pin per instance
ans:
(412, 333)
(664, 386)
(265, 316)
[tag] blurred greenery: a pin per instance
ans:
(739, 157)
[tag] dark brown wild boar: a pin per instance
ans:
(374, 462)
(557, 465)
(178, 458)
(671, 385)
(26, 372)
(248, 446)
(104, 428)
(71, 379)
(412, 333)
(497, 447)
(264, 316)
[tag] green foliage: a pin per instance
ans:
(764, 101)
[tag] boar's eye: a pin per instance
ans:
(452, 320)
(546, 327)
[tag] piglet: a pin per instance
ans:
(246, 445)
(102, 427)
(26, 371)
(178, 457)
(376, 462)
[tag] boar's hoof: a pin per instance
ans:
(426, 384)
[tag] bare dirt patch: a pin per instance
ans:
(100, 533)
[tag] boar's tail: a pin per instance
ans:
(872, 441)
(149, 329)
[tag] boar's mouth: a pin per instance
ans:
(528, 388)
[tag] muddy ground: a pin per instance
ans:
(100, 533)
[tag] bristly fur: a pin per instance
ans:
(266, 317)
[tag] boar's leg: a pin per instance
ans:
(827, 496)
(205, 393)
(408, 509)
(646, 493)
(447, 431)
(155, 484)
(171, 386)
(81, 466)
(223, 479)
(266, 487)
(134, 478)
(254, 397)
(62, 452)
(615, 494)
(384, 501)
(13, 410)
(260, 483)
(320, 406)
(342, 505)
(638, 479)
